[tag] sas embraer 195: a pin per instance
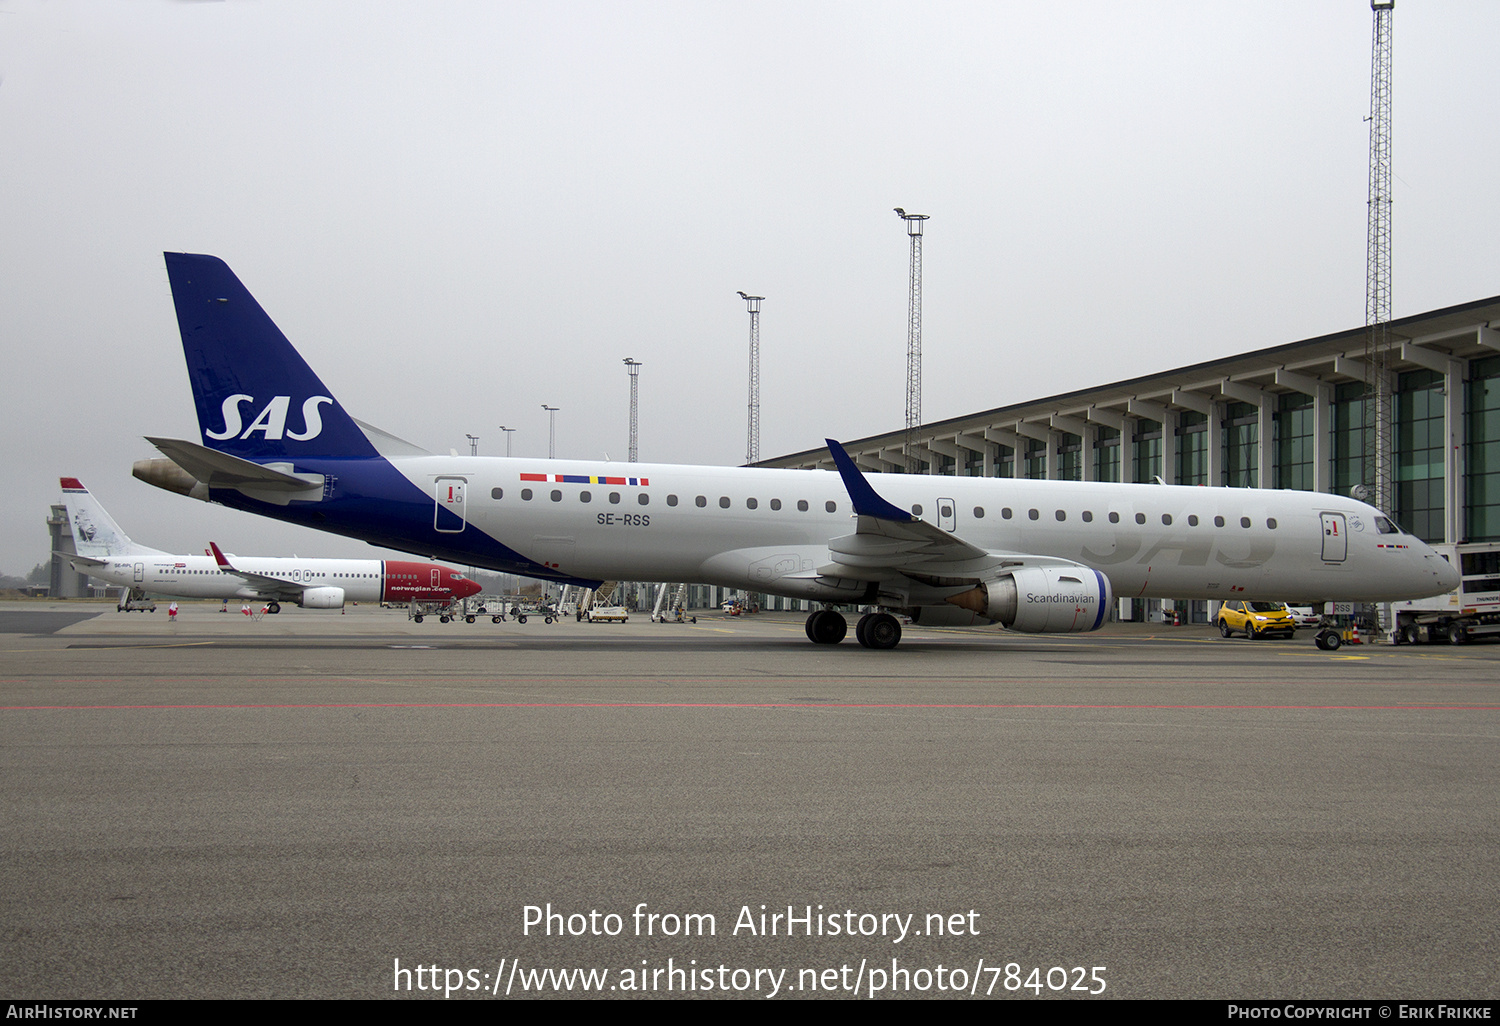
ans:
(106, 552)
(1037, 556)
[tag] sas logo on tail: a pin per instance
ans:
(271, 421)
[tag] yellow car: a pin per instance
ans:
(1256, 619)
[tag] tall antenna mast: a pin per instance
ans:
(752, 443)
(1377, 403)
(633, 366)
(913, 340)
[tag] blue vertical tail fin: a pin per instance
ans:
(256, 397)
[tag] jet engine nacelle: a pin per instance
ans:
(322, 598)
(1043, 599)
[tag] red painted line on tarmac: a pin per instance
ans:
(751, 705)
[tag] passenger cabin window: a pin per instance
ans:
(1218, 521)
(614, 497)
(702, 501)
(1271, 523)
(1005, 513)
(497, 493)
(1166, 518)
(1244, 521)
(1088, 517)
(775, 503)
(671, 500)
(751, 503)
(556, 495)
(585, 497)
(978, 512)
(802, 505)
(525, 494)
(1033, 514)
(1140, 518)
(1193, 520)
(643, 499)
(916, 509)
(723, 502)
(831, 506)
(1061, 516)
(1114, 518)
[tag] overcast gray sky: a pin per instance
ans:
(461, 211)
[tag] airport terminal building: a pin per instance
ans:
(1290, 416)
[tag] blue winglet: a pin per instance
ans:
(866, 502)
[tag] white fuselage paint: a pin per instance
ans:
(761, 548)
(200, 576)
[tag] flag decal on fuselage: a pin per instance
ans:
(634, 482)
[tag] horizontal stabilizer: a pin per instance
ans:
(277, 483)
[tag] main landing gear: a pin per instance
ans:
(874, 630)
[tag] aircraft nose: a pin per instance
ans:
(467, 588)
(1448, 574)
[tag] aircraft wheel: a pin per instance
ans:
(859, 630)
(826, 627)
(417, 618)
(884, 632)
(274, 608)
(1224, 630)
(1330, 641)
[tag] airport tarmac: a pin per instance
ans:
(326, 805)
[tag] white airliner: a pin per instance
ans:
(106, 552)
(1036, 556)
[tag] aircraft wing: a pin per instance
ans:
(889, 542)
(269, 587)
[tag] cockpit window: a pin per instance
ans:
(1384, 526)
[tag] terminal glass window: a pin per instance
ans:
(1482, 456)
(1192, 449)
(1347, 438)
(1421, 442)
(1107, 455)
(973, 463)
(1005, 461)
(1294, 426)
(1241, 453)
(1147, 456)
(1070, 453)
(1036, 460)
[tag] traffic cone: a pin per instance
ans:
(1354, 635)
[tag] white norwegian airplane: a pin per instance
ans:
(106, 552)
(1035, 556)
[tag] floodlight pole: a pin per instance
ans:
(551, 430)
(633, 367)
(752, 443)
(913, 339)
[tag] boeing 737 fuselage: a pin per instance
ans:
(104, 551)
(1038, 556)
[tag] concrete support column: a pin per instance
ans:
(1455, 467)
